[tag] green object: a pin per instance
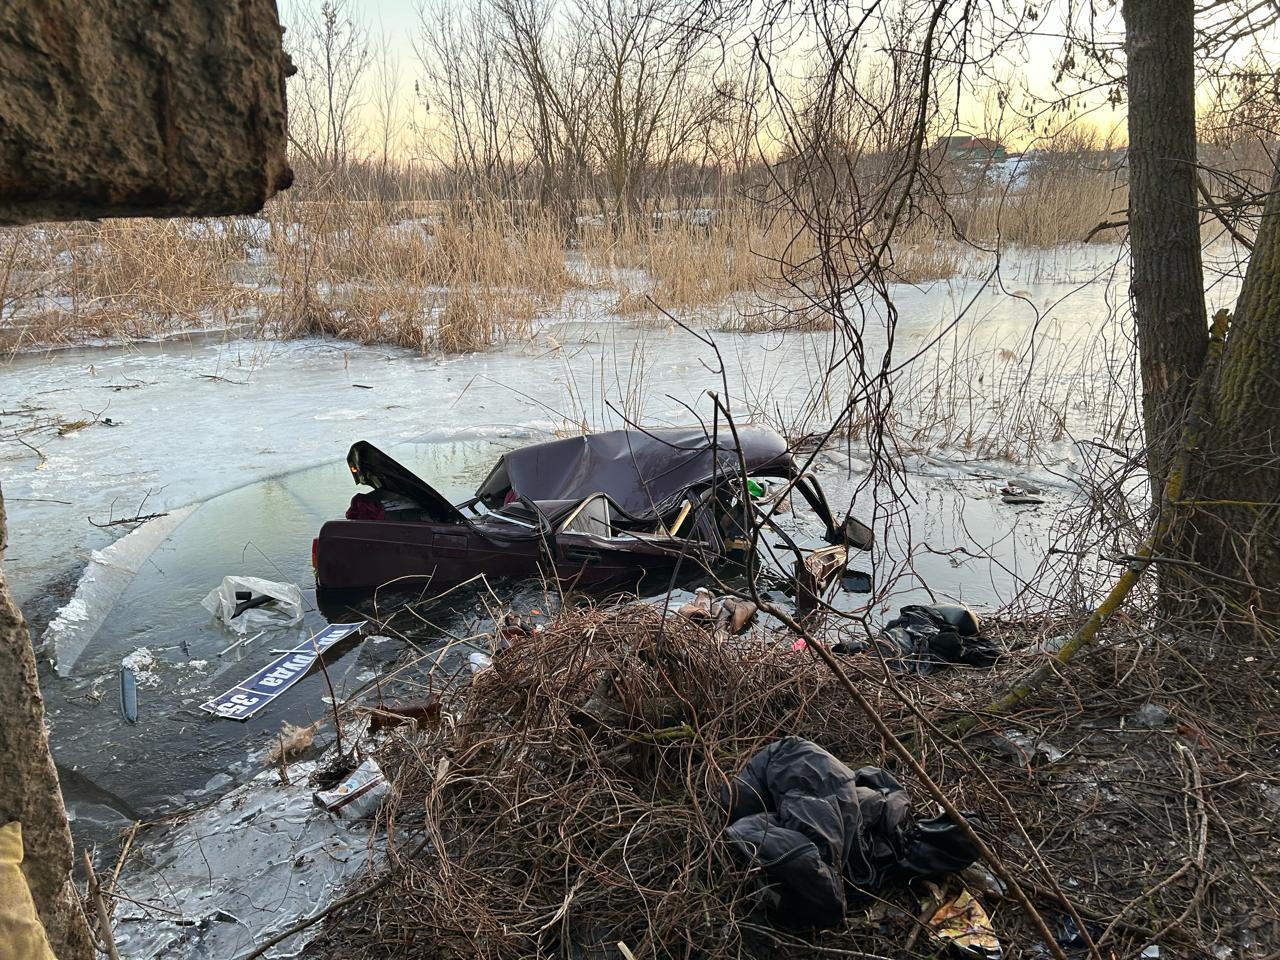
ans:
(755, 489)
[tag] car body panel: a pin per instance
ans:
(638, 485)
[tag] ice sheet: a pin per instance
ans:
(221, 880)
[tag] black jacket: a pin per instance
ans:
(814, 827)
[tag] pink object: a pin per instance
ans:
(798, 646)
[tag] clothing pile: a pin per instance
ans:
(925, 640)
(819, 831)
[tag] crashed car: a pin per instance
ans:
(603, 510)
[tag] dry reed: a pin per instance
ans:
(431, 277)
(568, 800)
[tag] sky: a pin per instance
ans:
(394, 24)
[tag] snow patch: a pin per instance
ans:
(142, 662)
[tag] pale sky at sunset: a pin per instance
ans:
(393, 25)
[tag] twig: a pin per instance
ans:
(245, 641)
(124, 853)
(1221, 217)
(1105, 225)
(104, 919)
(141, 518)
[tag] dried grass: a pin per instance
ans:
(432, 277)
(1049, 209)
(569, 800)
(702, 258)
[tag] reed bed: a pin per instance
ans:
(437, 276)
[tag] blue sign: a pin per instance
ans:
(245, 699)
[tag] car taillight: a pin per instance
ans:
(315, 550)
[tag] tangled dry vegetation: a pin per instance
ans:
(568, 802)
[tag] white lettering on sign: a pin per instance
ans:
(244, 700)
(287, 670)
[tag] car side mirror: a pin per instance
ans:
(856, 534)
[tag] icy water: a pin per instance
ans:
(242, 443)
(265, 529)
(175, 752)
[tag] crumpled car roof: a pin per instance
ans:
(645, 472)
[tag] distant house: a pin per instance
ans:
(966, 147)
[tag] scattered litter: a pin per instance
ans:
(142, 662)
(733, 615)
(358, 796)
(699, 608)
(128, 694)
(925, 639)
(1150, 715)
(243, 641)
(1025, 747)
(1022, 499)
(1069, 936)
(245, 699)
(245, 601)
(815, 573)
(479, 661)
(423, 711)
(792, 791)
(292, 741)
(511, 630)
(268, 604)
(1150, 953)
(1020, 492)
(962, 924)
(977, 877)
(855, 581)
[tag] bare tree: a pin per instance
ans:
(471, 89)
(331, 50)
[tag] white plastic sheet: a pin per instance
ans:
(284, 612)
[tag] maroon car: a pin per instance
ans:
(604, 510)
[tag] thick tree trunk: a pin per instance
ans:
(1238, 512)
(115, 108)
(1167, 280)
(29, 792)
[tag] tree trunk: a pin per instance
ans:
(1167, 281)
(114, 108)
(30, 793)
(1238, 510)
